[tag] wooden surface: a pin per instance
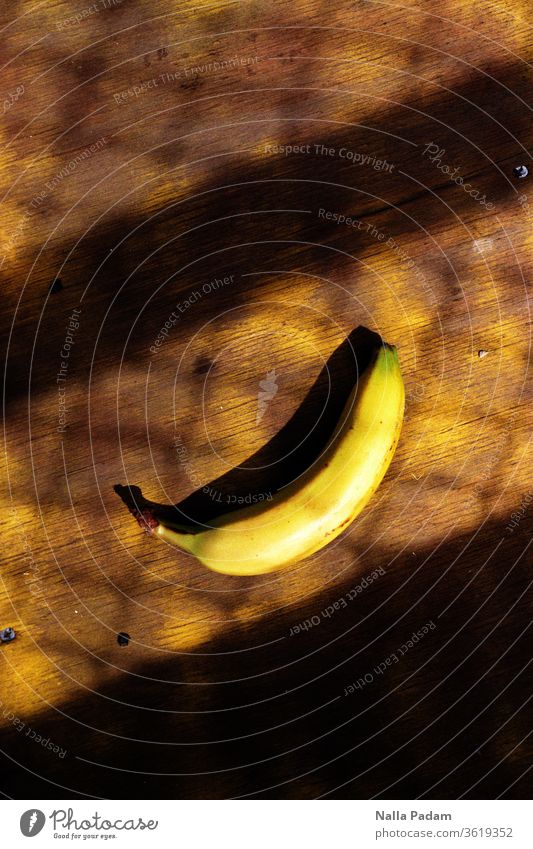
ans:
(213, 697)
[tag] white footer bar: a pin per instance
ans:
(258, 824)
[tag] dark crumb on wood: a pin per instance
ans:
(123, 638)
(56, 286)
(203, 365)
(7, 634)
(521, 171)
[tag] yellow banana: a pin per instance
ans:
(317, 507)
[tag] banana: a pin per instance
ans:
(313, 510)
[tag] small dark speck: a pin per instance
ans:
(56, 286)
(7, 634)
(192, 83)
(203, 365)
(123, 638)
(521, 171)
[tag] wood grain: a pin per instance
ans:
(145, 166)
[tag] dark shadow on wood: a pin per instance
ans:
(224, 227)
(256, 708)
